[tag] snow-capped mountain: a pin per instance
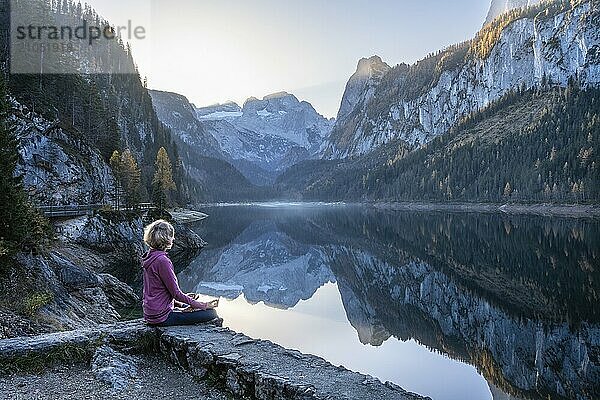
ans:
(219, 111)
(556, 42)
(260, 139)
(266, 136)
(263, 263)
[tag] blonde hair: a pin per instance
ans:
(159, 235)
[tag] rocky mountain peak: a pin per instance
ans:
(499, 7)
(373, 65)
(229, 108)
(279, 95)
(368, 75)
(272, 103)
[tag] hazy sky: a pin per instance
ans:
(218, 50)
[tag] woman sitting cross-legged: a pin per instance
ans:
(161, 290)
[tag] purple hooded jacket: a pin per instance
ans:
(161, 288)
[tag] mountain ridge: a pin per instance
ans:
(260, 138)
(522, 48)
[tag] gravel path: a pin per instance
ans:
(157, 380)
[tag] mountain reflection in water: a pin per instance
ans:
(434, 298)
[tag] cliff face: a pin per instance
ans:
(57, 165)
(361, 86)
(359, 92)
(416, 103)
(177, 113)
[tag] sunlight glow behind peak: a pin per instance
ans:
(213, 51)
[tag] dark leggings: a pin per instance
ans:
(189, 318)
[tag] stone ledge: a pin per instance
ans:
(37, 353)
(248, 368)
(261, 369)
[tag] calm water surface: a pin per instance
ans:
(448, 305)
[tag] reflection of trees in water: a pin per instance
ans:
(530, 266)
(410, 271)
(414, 275)
(415, 301)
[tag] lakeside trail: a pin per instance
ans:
(560, 210)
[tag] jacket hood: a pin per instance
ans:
(151, 256)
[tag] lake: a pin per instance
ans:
(447, 305)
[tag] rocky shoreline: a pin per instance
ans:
(232, 362)
(89, 273)
(184, 216)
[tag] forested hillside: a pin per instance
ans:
(534, 146)
(114, 112)
(108, 111)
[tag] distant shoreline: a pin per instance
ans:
(544, 209)
(563, 210)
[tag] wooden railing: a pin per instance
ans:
(78, 210)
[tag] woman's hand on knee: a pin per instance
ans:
(212, 304)
(209, 306)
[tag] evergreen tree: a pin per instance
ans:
(163, 182)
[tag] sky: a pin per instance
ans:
(213, 51)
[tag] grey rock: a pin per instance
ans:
(74, 295)
(72, 276)
(58, 167)
(361, 86)
(47, 350)
(499, 7)
(119, 294)
(187, 239)
(264, 370)
(114, 368)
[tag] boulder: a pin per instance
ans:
(114, 368)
